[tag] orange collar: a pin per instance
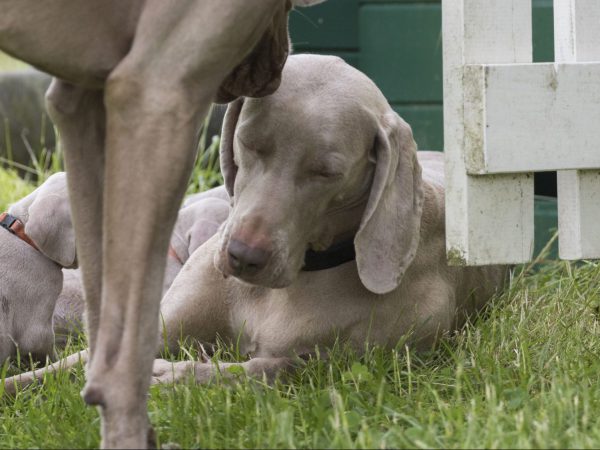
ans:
(16, 227)
(173, 254)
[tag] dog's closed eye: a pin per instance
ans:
(251, 145)
(330, 168)
(326, 173)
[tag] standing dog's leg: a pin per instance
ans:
(154, 101)
(80, 117)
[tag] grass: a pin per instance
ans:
(8, 63)
(12, 188)
(525, 375)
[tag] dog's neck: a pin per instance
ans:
(345, 224)
(337, 254)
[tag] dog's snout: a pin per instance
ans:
(246, 259)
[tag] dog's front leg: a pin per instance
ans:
(150, 153)
(154, 100)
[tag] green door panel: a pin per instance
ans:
(401, 50)
(426, 122)
(330, 25)
(546, 224)
(543, 31)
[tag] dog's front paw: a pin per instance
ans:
(164, 371)
(9, 386)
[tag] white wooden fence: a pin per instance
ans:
(505, 118)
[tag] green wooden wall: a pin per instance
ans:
(398, 44)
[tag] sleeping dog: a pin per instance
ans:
(336, 231)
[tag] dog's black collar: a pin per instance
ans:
(337, 254)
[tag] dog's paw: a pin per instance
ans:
(9, 386)
(164, 371)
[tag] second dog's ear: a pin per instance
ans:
(228, 167)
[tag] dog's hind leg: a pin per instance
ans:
(80, 117)
(22, 380)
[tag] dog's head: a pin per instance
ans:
(46, 213)
(322, 159)
(259, 73)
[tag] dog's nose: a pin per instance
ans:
(245, 259)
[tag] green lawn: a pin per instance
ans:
(12, 188)
(527, 374)
(8, 63)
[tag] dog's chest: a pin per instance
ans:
(314, 311)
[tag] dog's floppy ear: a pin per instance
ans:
(389, 232)
(228, 167)
(49, 224)
(259, 73)
(213, 212)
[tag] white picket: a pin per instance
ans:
(489, 219)
(505, 118)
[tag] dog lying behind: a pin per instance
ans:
(339, 234)
(32, 255)
(41, 299)
(68, 315)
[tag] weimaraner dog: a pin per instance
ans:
(344, 243)
(40, 307)
(339, 234)
(133, 80)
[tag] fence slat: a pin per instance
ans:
(479, 207)
(577, 39)
(532, 117)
